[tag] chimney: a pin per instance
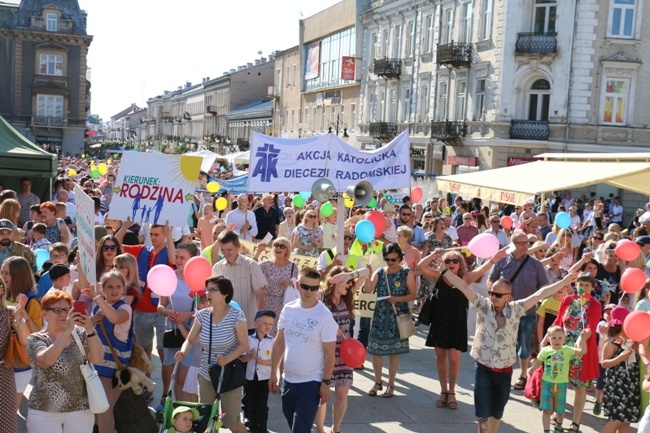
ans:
(258, 62)
(188, 84)
(207, 78)
(271, 57)
(263, 59)
(233, 70)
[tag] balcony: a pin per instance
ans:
(455, 54)
(49, 122)
(529, 130)
(536, 43)
(449, 132)
(383, 131)
(273, 92)
(212, 109)
(388, 68)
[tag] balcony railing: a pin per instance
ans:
(449, 132)
(383, 131)
(454, 54)
(52, 122)
(388, 68)
(529, 130)
(212, 109)
(536, 43)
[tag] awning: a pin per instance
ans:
(239, 157)
(518, 183)
(208, 158)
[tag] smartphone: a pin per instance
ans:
(79, 307)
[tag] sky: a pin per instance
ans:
(141, 48)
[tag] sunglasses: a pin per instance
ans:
(406, 214)
(311, 216)
(498, 295)
(597, 238)
(495, 221)
(58, 311)
(348, 238)
(450, 261)
(308, 287)
(531, 242)
(392, 260)
(109, 247)
(281, 246)
(520, 242)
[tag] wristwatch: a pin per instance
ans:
(327, 381)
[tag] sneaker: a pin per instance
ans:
(598, 406)
(558, 429)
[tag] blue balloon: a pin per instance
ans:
(234, 304)
(563, 220)
(365, 231)
(42, 256)
(305, 195)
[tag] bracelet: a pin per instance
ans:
(20, 322)
(91, 335)
(97, 296)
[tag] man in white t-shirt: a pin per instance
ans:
(306, 340)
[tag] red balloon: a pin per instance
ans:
(506, 222)
(632, 280)
(353, 353)
(627, 250)
(196, 271)
(637, 325)
(378, 220)
(416, 194)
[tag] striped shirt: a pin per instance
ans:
(224, 336)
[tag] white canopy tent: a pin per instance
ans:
(555, 172)
(239, 157)
(208, 158)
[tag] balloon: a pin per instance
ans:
(83, 155)
(637, 325)
(72, 172)
(298, 201)
(353, 354)
(327, 209)
(348, 202)
(103, 168)
(365, 231)
(213, 187)
(95, 174)
(416, 194)
(42, 256)
(305, 195)
(484, 245)
(632, 280)
(162, 280)
(221, 203)
(197, 270)
(116, 155)
(93, 167)
(506, 222)
(563, 220)
(377, 219)
(627, 250)
(372, 203)
(234, 304)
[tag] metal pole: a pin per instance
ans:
(340, 218)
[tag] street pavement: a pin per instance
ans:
(413, 409)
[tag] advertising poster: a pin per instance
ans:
(312, 61)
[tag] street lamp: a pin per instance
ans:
(338, 125)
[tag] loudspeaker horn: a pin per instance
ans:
(323, 190)
(362, 193)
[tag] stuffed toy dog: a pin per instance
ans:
(141, 361)
(131, 377)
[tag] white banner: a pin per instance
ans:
(86, 233)
(281, 164)
(152, 188)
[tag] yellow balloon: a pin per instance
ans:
(213, 187)
(103, 168)
(72, 172)
(348, 202)
(93, 167)
(221, 203)
(83, 155)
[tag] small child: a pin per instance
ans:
(547, 313)
(555, 359)
(183, 418)
(60, 276)
(40, 241)
(601, 330)
(258, 372)
(390, 232)
(622, 396)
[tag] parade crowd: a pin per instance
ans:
(548, 304)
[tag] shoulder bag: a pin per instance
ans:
(405, 323)
(228, 377)
(173, 338)
(16, 353)
(96, 394)
(519, 268)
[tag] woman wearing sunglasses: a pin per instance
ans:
(107, 249)
(448, 331)
(307, 237)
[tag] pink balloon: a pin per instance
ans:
(632, 280)
(353, 354)
(162, 280)
(416, 194)
(484, 245)
(507, 222)
(637, 325)
(627, 250)
(378, 220)
(196, 271)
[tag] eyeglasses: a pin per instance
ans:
(520, 242)
(109, 247)
(498, 295)
(427, 217)
(281, 246)
(450, 261)
(308, 287)
(213, 290)
(57, 256)
(58, 311)
(348, 238)
(391, 259)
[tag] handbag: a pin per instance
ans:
(16, 353)
(290, 293)
(228, 377)
(96, 395)
(426, 311)
(173, 338)
(533, 389)
(405, 323)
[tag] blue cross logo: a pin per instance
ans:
(266, 164)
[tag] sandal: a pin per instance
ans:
(598, 406)
(558, 429)
(453, 405)
(575, 428)
(442, 401)
(378, 386)
(389, 392)
(520, 385)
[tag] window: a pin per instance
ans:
(616, 96)
(486, 20)
(461, 97)
(479, 100)
(447, 23)
(397, 42)
(49, 106)
(410, 34)
(384, 43)
(353, 116)
(288, 76)
(374, 46)
(286, 119)
(442, 101)
(545, 13)
(423, 112)
(465, 31)
(313, 119)
(427, 34)
(51, 22)
(322, 118)
(381, 103)
(622, 13)
(392, 113)
(278, 81)
(293, 118)
(306, 118)
(406, 103)
(51, 64)
(332, 49)
(539, 100)
(295, 74)
(372, 99)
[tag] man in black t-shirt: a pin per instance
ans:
(267, 217)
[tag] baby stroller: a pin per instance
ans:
(208, 420)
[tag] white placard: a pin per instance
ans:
(86, 233)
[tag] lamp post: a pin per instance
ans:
(338, 125)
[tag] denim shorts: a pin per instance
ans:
(491, 392)
(525, 335)
(144, 325)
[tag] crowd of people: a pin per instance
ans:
(550, 297)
